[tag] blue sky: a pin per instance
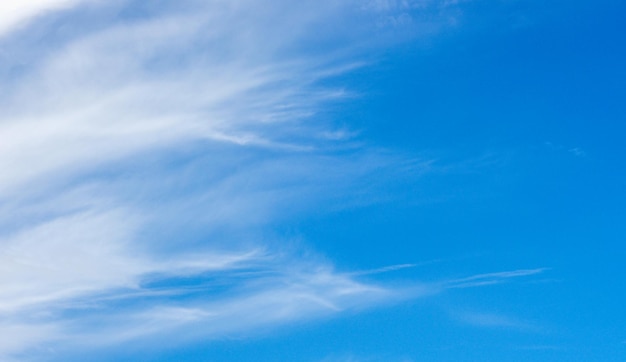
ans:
(331, 181)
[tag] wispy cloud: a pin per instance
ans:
(491, 319)
(386, 269)
(136, 159)
(141, 160)
(491, 278)
(575, 151)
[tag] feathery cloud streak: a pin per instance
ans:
(143, 151)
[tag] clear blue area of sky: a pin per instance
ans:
(523, 111)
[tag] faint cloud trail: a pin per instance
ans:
(491, 278)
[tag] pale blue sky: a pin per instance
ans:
(312, 181)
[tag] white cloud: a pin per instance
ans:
(151, 152)
(126, 149)
(14, 14)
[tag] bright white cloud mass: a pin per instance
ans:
(146, 148)
(14, 14)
